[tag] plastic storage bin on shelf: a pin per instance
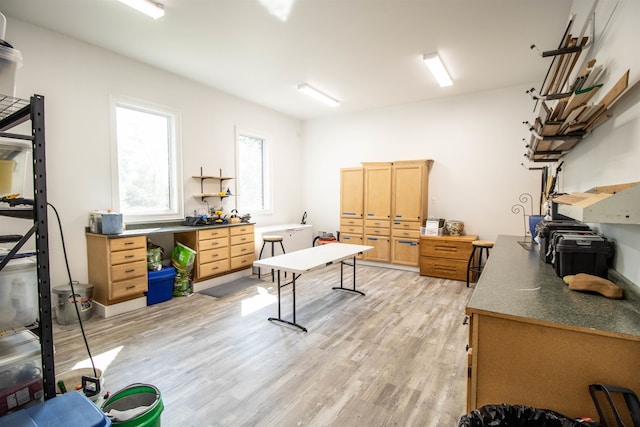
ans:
(10, 61)
(160, 285)
(18, 294)
(14, 157)
(20, 371)
(69, 409)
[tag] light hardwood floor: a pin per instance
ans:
(395, 357)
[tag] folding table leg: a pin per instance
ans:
(341, 287)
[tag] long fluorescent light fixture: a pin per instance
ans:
(436, 67)
(148, 7)
(315, 93)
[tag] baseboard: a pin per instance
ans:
(107, 311)
(388, 265)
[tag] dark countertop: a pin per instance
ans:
(517, 283)
(168, 228)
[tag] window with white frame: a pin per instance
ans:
(253, 173)
(147, 171)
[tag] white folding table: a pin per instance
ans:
(305, 260)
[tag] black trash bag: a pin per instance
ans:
(517, 416)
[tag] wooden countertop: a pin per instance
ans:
(516, 283)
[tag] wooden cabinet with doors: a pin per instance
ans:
(351, 205)
(534, 342)
(117, 267)
(377, 210)
(409, 204)
(383, 204)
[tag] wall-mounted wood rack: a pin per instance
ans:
(564, 113)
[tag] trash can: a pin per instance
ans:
(517, 415)
(64, 302)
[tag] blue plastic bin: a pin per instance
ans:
(69, 409)
(160, 285)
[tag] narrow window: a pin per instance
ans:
(254, 181)
(147, 177)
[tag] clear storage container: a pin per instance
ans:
(15, 157)
(18, 293)
(20, 371)
(10, 61)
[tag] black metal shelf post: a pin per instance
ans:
(14, 112)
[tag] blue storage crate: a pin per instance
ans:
(160, 285)
(69, 409)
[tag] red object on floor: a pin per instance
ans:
(326, 241)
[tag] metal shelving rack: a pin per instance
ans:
(13, 112)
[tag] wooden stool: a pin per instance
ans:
(273, 240)
(480, 245)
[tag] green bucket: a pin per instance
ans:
(132, 397)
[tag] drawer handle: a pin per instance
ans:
(130, 287)
(243, 261)
(243, 250)
(131, 270)
(129, 256)
(129, 243)
(215, 268)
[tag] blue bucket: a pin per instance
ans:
(533, 221)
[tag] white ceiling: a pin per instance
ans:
(366, 53)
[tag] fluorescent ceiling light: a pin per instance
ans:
(305, 88)
(281, 9)
(436, 67)
(148, 7)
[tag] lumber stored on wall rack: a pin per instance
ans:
(565, 113)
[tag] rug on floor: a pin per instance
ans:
(226, 289)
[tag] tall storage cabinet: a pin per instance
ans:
(14, 112)
(377, 210)
(393, 197)
(409, 205)
(351, 205)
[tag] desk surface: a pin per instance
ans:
(516, 283)
(308, 259)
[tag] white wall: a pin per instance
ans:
(476, 143)
(611, 155)
(77, 79)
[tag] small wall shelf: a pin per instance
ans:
(203, 195)
(613, 204)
